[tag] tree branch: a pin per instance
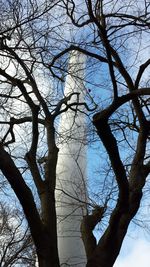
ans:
(22, 192)
(87, 226)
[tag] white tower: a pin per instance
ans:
(71, 171)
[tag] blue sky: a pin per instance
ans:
(134, 253)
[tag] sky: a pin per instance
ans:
(135, 253)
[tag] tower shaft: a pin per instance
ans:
(71, 171)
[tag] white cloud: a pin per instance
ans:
(138, 255)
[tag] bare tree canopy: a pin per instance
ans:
(36, 41)
(16, 246)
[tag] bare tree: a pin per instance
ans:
(16, 246)
(36, 39)
(113, 26)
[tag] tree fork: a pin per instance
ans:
(46, 249)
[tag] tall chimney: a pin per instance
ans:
(71, 170)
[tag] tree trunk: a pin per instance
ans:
(45, 239)
(46, 258)
(108, 247)
(46, 262)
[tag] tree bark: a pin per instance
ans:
(129, 195)
(47, 254)
(87, 226)
(109, 245)
(45, 239)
